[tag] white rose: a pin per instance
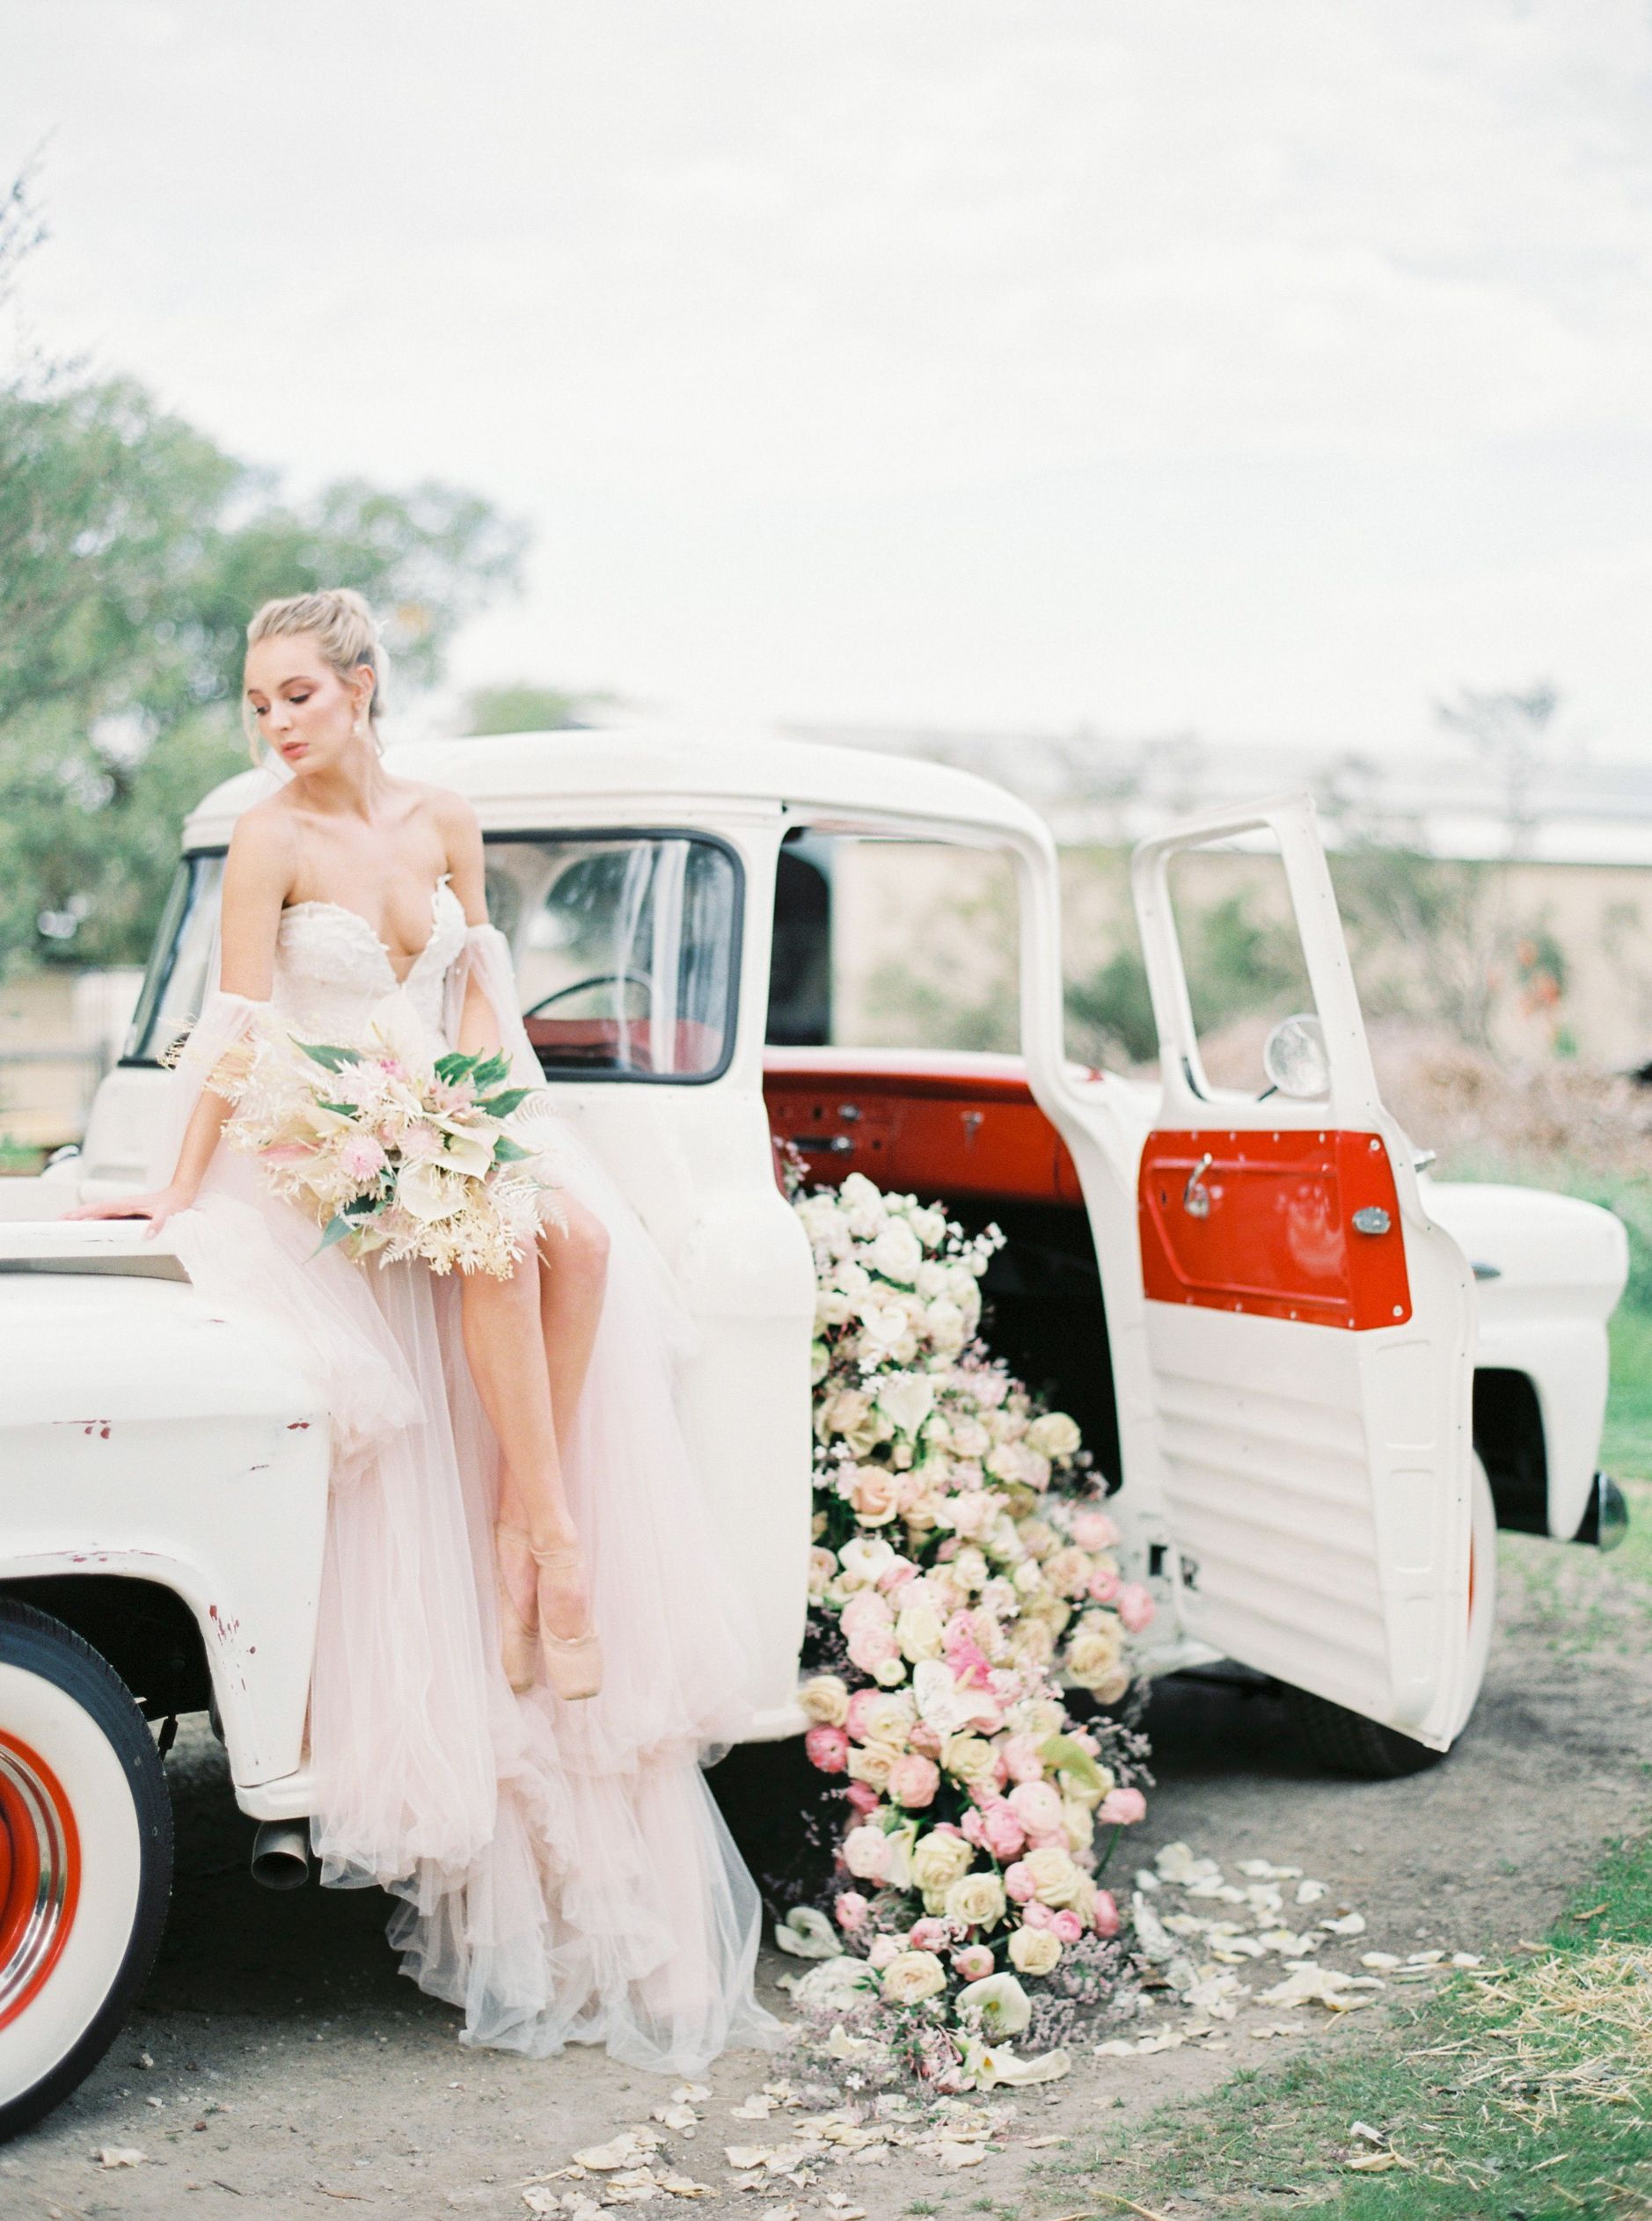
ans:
(930, 1226)
(832, 1307)
(934, 1279)
(857, 1192)
(977, 1900)
(919, 1632)
(912, 1976)
(890, 1719)
(867, 1854)
(870, 1762)
(939, 1861)
(1055, 1435)
(968, 1758)
(1035, 1950)
(944, 1323)
(969, 1437)
(898, 1253)
(1054, 1876)
(970, 1568)
(1078, 1822)
(1092, 1655)
(826, 1700)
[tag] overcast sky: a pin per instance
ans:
(1263, 370)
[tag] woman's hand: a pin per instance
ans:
(158, 1206)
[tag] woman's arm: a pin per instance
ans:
(257, 874)
(477, 1027)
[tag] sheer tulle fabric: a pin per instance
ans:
(563, 1872)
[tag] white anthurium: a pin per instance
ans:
(466, 1151)
(999, 2003)
(946, 1706)
(806, 1933)
(863, 1558)
(907, 1399)
(430, 1192)
(995, 2067)
(401, 1030)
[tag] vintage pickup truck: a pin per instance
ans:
(1315, 1380)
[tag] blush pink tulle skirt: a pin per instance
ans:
(562, 1872)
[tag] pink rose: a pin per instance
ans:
(1038, 1838)
(896, 1574)
(1001, 1832)
(865, 1610)
(860, 1704)
(1104, 1585)
(913, 1780)
(1036, 1805)
(852, 1909)
(925, 1740)
(1066, 1925)
(974, 1828)
(1135, 1606)
(882, 1949)
(1020, 1755)
(1094, 1530)
(974, 1963)
(1019, 1882)
(1122, 1808)
(862, 1796)
(827, 1748)
(1105, 1916)
(927, 1935)
(1000, 1769)
(875, 1493)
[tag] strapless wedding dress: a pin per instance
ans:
(563, 1872)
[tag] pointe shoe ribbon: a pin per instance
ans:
(518, 1637)
(573, 1663)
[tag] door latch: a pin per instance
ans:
(1372, 1220)
(1195, 1196)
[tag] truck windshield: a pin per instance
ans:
(626, 947)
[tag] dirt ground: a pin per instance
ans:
(279, 2064)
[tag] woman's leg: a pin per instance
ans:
(573, 1276)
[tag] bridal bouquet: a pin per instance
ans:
(963, 1581)
(391, 1155)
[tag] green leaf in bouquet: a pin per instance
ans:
(325, 1053)
(453, 1066)
(506, 1152)
(500, 1106)
(340, 1110)
(335, 1231)
(1070, 1757)
(491, 1070)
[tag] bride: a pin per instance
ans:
(525, 1639)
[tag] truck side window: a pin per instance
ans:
(175, 984)
(1241, 953)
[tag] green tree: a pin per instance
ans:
(525, 708)
(132, 551)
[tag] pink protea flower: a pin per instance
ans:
(1135, 1606)
(1019, 1883)
(827, 1748)
(1104, 1917)
(1122, 1808)
(448, 1096)
(421, 1142)
(360, 1157)
(914, 1780)
(850, 1910)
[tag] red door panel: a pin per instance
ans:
(1265, 1222)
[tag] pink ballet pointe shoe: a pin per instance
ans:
(573, 1663)
(518, 1637)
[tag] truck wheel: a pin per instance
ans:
(1346, 1741)
(85, 1859)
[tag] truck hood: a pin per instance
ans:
(1528, 1240)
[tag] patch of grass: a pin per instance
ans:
(1519, 2091)
(1626, 1445)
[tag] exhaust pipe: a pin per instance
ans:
(1606, 1521)
(280, 1854)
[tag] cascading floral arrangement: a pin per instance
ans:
(962, 1574)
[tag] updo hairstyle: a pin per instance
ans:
(346, 632)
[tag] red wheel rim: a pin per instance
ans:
(39, 1874)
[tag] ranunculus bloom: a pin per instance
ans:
(860, 1797)
(1001, 1832)
(926, 1738)
(1066, 1925)
(927, 1935)
(1036, 1805)
(1021, 1757)
(1019, 1883)
(870, 1647)
(1135, 1606)
(1104, 1917)
(974, 1963)
(1035, 1915)
(865, 1609)
(1104, 1586)
(827, 1748)
(1094, 1530)
(1122, 1808)
(913, 1781)
(857, 1718)
(866, 1854)
(850, 1910)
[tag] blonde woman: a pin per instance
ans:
(525, 1639)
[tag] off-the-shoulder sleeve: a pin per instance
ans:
(225, 1020)
(486, 959)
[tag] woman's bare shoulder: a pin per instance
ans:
(264, 837)
(445, 806)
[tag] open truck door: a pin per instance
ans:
(1310, 1331)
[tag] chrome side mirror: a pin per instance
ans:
(1295, 1059)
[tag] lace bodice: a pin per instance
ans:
(333, 972)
